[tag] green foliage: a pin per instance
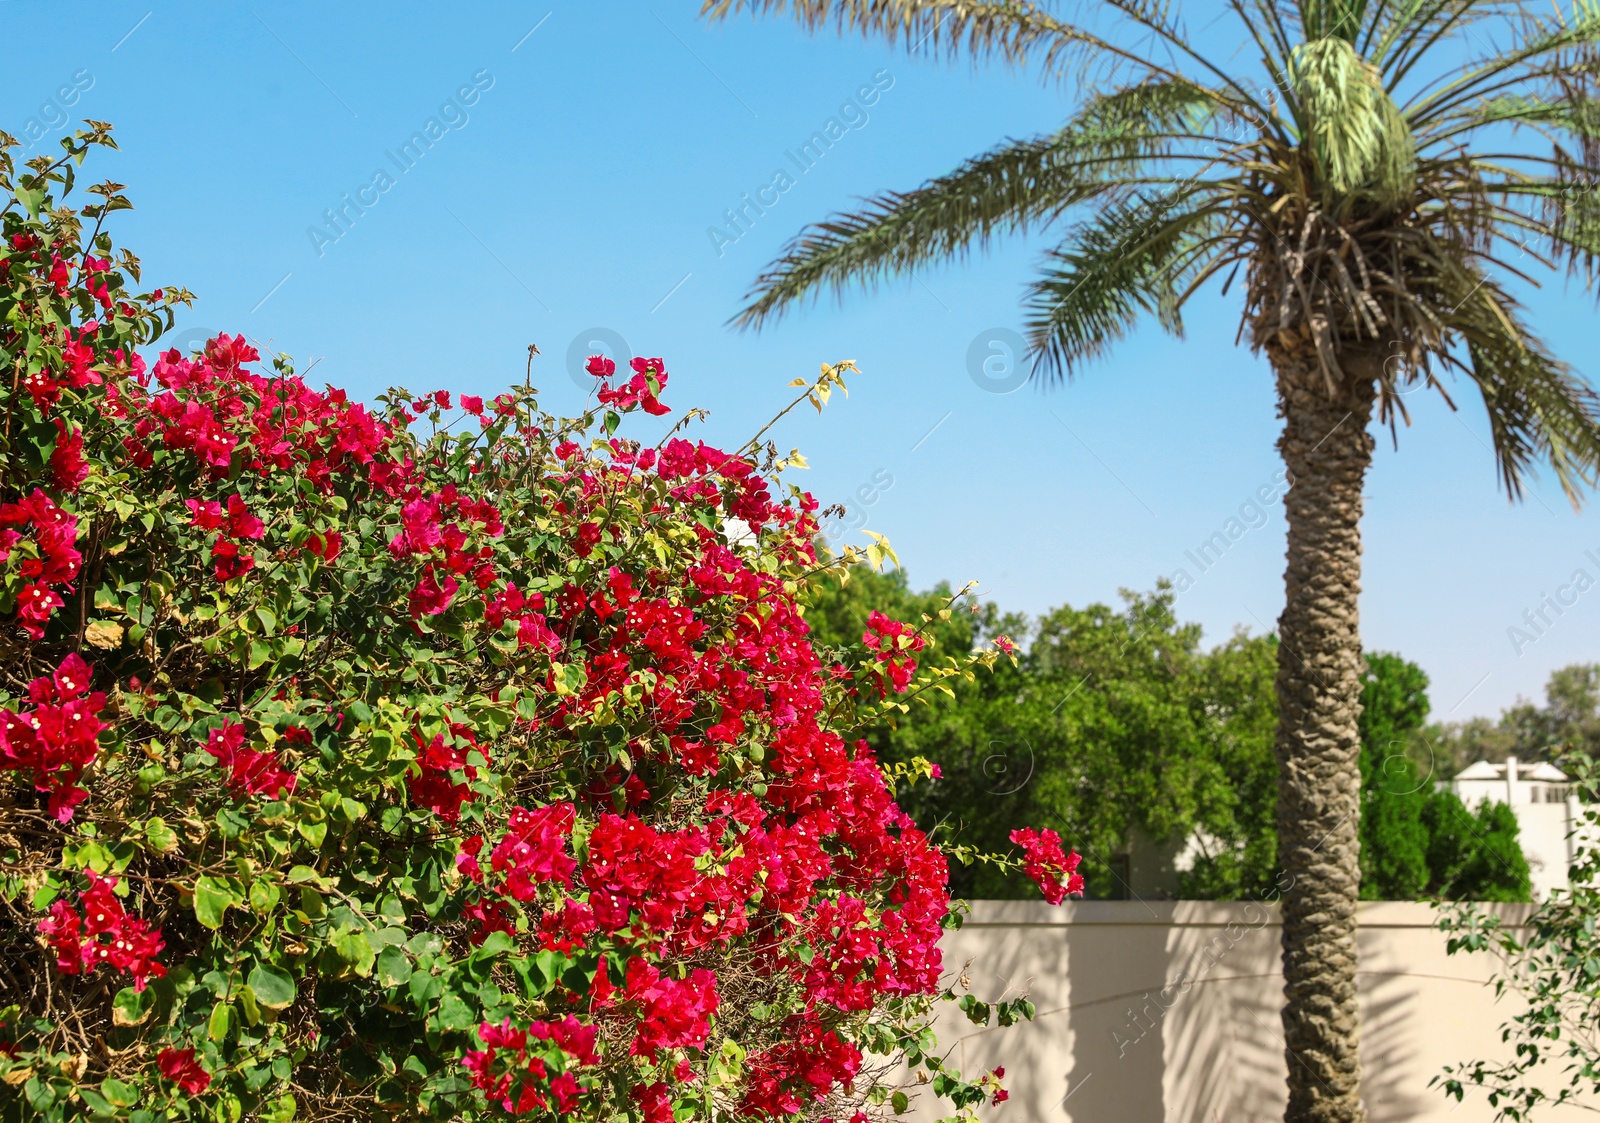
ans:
(1394, 840)
(1417, 842)
(1552, 964)
(1238, 716)
(1473, 856)
(1110, 722)
(1114, 723)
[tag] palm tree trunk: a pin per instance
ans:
(1327, 449)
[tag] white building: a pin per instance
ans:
(1546, 810)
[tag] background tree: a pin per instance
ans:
(1034, 738)
(1394, 842)
(1568, 722)
(1368, 167)
(1417, 842)
(1172, 743)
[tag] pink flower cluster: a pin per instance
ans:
(892, 640)
(528, 1069)
(434, 785)
(526, 612)
(181, 1067)
(78, 358)
(442, 546)
(103, 933)
(534, 849)
(672, 1013)
(235, 524)
(1050, 868)
(58, 739)
(637, 391)
(250, 771)
(47, 543)
(211, 406)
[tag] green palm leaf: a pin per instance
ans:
(1538, 408)
(1016, 186)
(1135, 258)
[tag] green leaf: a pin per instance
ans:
(394, 968)
(161, 838)
(552, 965)
(221, 1021)
(131, 1007)
(91, 856)
(281, 1111)
(355, 950)
(496, 943)
(251, 1008)
(264, 896)
(212, 897)
(32, 198)
(118, 1092)
(456, 1014)
(98, 1104)
(380, 745)
(274, 986)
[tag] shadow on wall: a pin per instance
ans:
(1168, 1012)
(1010, 951)
(1119, 1054)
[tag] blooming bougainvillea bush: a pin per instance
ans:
(435, 759)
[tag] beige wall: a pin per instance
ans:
(1108, 1046)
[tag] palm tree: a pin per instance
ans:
(1381, 171)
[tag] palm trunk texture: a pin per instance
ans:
(1327, 449)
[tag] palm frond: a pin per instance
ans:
(1156, 17)
(1111, 142)
(1538, 408)
(1572, 219)
(1013, 31)
(1567, 46)
(1135, 258)
(1568, 111)
(1413, 27)
(1333, 19)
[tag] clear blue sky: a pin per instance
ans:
(579, 190)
